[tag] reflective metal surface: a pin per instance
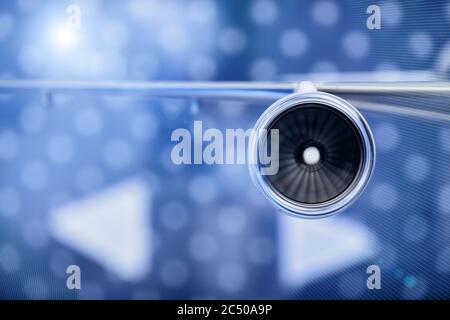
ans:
(343, 139)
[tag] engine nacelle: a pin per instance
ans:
(326, 154)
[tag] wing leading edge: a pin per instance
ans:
(242, 91)
(214, 88)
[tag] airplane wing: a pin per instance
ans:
(213, 89)
(416, 92)
(246, 91)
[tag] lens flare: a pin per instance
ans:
(63, 38)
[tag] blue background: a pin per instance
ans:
(211, 234)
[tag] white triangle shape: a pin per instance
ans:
(111, 228)
(309, 249)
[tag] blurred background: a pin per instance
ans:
(88, 179)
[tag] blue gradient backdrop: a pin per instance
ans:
(210, 235)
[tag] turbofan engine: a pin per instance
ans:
(326, 154)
